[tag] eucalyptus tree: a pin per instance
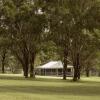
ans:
(86, 15)
(59, 28)
(3, 53)
(88, 53)
(4, 44)
(67, 21)
(25, 25)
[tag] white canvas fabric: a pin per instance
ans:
(53, 65)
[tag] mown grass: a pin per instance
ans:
(18, 88)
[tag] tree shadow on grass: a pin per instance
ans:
(81, 88)
(46, 79)
(32, 79)
(53, 90)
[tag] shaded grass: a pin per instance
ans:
(18, 88)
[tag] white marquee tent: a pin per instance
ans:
(53, 65)
(53, 68)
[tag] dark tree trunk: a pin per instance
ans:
(79, 75)
(64, 70)
(3, 61)
(76, 68)
(32, 71)
(65, 64)
(26, 71)
(75, 74)
(3, 67)
(26, 66)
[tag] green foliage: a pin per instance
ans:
(53, 29)
(48, 52)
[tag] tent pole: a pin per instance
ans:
(45, 71)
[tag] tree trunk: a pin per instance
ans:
(65, 64)
(26, 67)
(79, 75)
(76, 68)
(75, 74)
(3, 67)
(64, 70)
(26, 71)
(32, 71)
(3, 61)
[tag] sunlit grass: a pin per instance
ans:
(48, 88)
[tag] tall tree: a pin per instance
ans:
(67, 20)
(83, 18)
(25, 25)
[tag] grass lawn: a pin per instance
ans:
(18, 88)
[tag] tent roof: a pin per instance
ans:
(53, 65)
